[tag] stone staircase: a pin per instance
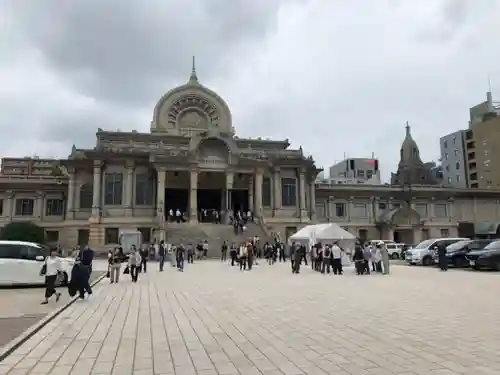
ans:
(215, 234)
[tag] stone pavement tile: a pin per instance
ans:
(214, 318)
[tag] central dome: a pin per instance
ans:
(191, 107)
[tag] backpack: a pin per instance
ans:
(327, 252)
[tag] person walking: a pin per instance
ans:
(84, 262)
(114, 265)
(243, 257)
(384, 255)
(443, 262)
(51, 269)
(160, 250)
(233, 254)
(180, 255)
(144, 258)
(223, 252)
(134, 264)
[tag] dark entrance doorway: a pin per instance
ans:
(209, 199)
(176, 199)
(239, 200)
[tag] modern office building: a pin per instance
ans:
(355, 171)
(453, 159)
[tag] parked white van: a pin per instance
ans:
(423, 252)
(21, 262)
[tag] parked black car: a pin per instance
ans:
(456, 252)
(488, 258)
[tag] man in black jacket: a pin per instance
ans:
(161, 255)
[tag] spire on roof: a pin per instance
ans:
(194, 76)
(407, 129)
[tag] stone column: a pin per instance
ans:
(390, 234)
(258, 194)
(251, 193)
(302, 196)
(160, 194)
(277, 190)
(229, 187)
(417, 235)
(193, 197)
(70, 205)
(39, 205)
(9, 206)
(312, 199)
(96, 199)
(349, 208)
(129, 191)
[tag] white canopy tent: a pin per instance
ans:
(307, 235)
(327, 233)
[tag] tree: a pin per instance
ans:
(23, 231)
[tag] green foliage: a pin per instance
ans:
(23, 231)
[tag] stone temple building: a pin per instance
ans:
(192, 158)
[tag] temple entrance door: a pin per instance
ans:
(403, 236)
(177, 199)
(238, 200)
(210, 196)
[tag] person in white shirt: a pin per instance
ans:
(51, 268)
(336, 259)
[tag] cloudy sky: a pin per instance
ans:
(333, 76)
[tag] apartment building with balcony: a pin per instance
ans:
(482, 145)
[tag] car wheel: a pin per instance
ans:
(427, 261)
(395, 256)
(62, 279)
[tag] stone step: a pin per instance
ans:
(214, 234)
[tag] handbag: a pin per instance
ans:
(43, 270)
(126, 271)
(108, 274)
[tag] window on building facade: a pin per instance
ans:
(421, 208)
(445, 144)
(54, 207)
(144, 189)
(457, 165)
(289, 192)
(146, 234)
(113, 185)
(359, 210)
(24, 207)
(363, 235)
(1, 207)
(458, 178)
(446, 156)
(266, 192)
(382, 206)
(445, 233)
(340, 209)
(369, 174)
(86, 196)
(320, 210)
(395, 205)
(83, 237)
(441, 210)
(111, 236)
(425, 234)
(361, 173)
(455, 152)
(52, 236)
(449, 180)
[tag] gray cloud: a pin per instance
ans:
(334, 78)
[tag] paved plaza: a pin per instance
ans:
(214, 319)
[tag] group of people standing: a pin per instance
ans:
(371, 258)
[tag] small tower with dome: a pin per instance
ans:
(411, 169)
